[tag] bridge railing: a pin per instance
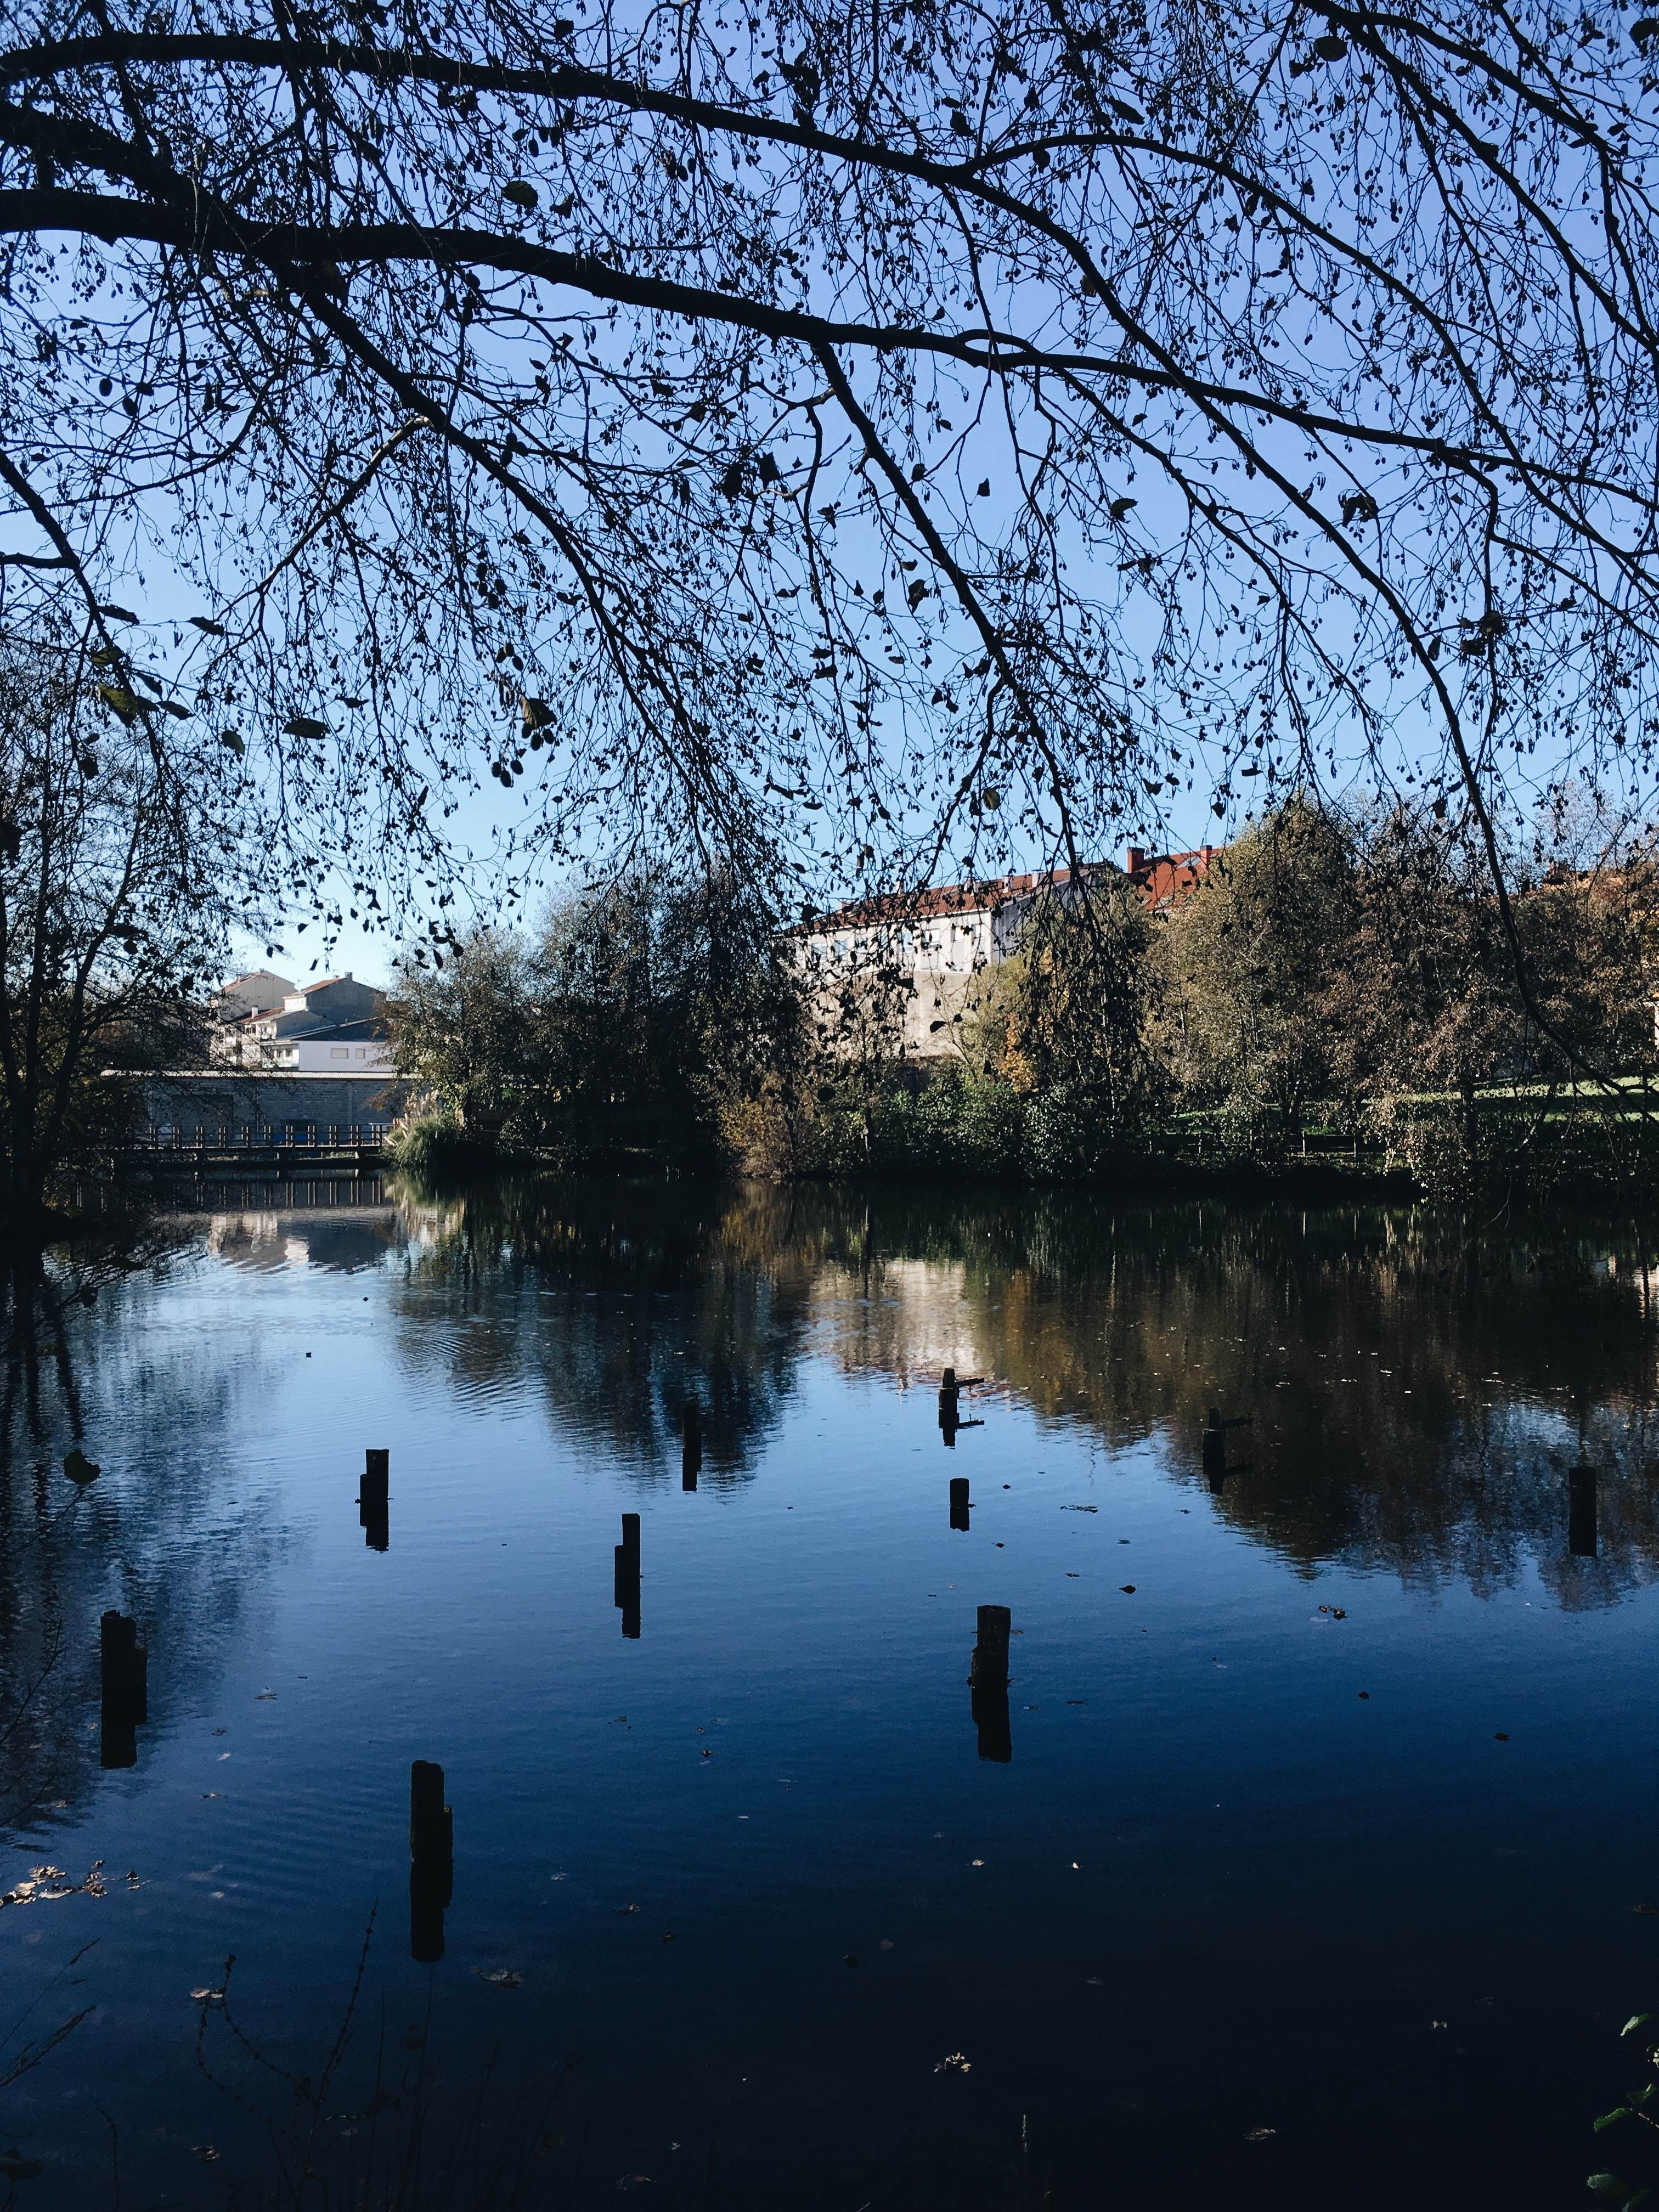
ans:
(263, 1137)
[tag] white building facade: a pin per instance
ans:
(333, 1027)
(906, 975)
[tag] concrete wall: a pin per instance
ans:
(229, 1098)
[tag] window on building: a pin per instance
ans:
(339, 1052)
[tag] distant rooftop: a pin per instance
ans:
(1164, 880)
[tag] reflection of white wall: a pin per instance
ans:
(916, 1320)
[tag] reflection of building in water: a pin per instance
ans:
(343, 1240)
(913, 1317)
(1392, 1429)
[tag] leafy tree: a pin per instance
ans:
(1254, 957)
(967, 424)
(1424, 1000)
(645, 1011)
(668, 998)
(118, 864)
(1072, 1016)
(465, 1033)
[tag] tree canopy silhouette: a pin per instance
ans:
(858, 436)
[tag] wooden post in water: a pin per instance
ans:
(431, 1860)
(691, 1444)
(1581, 1512)
(373, 1500)
(989, 1675)
(1215, 1450)
(960, 1502)
(990, 1660)
(124, 1689)
(628, 1575)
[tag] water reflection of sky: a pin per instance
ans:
(1412, 1399)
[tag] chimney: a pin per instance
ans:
(1135, 860)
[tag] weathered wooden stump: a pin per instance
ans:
(431, 1860)
(1581, 1513)
(990, 1660)
(691, 1445)
(1215, 1449)
(124, 1689)
(989, 1675)
(628, 1577)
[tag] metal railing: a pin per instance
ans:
(264, 1136)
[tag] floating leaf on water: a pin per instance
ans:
(1259, 2135)
(208, 2152)
(1636, 2019)
(207, 1996)
(1128, 1588)
(955, 2064)
(500, 1977)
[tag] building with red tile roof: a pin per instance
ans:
(907, 969)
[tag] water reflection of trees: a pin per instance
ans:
(1419, 1388)
(624, 1304)
(149, 1536)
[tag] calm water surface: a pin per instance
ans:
(1304, 1866)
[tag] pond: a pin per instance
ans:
(1310, 1851)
